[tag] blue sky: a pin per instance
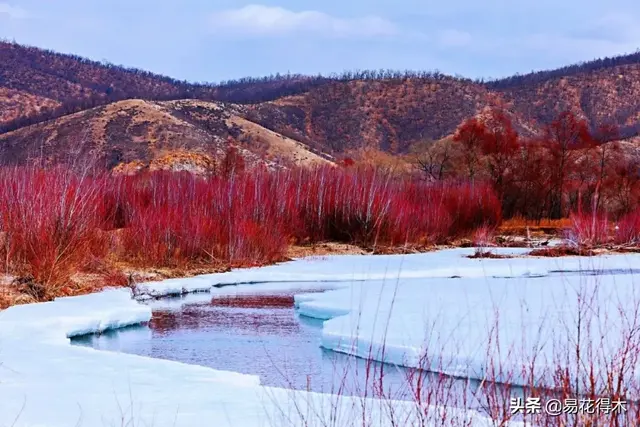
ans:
(215, 40)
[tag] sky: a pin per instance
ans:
(216, 40)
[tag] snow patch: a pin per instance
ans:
(399, 309)
(441, 308)
(45, 381)
(172, 287)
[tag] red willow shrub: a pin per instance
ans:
(370, 207)
(627, 231)
(339, 205)
(250, 218)
(588, 229)
(50, 221)
(54, 222)
(174, 218)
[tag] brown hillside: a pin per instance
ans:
(600, 95)
(388, 111)
(134, 134)
(68, 77)
(386, 115)
(393, 115)
(66, 84)
(15, 103)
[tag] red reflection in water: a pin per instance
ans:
(250, 314)
(254, 301)
(234, 320)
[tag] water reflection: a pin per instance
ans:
(263, 335)
(233, 320)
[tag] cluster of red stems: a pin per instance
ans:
(55, 222)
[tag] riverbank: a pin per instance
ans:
(511, 320)
(66, 232)
(103, 388)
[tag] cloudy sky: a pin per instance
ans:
(213, 40)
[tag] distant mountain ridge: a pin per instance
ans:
(386, 110)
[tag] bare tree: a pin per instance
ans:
(435, 161)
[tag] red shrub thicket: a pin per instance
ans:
(173, 218)
(569, 171)
(249, 218)
(589, 229)
(54, 223)
(50, 224)
(627, 229)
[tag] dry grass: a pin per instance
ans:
(7, 297)
(197, 163)
(322, 249)
(480, 254)
(10, 293)
(560, 251)
(279, 146)
(524, 227)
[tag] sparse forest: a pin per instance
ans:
(569, 170)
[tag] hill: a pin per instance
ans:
(52, 84)
(47, 79)
(393, 114)
(385, 110)
(134, 134)
(388, 115)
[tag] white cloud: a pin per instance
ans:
(13, 12)
(611, 34)
(260, 20)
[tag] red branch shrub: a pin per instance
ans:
(370, 207)
(590, 229)
(173, 218)
(627, 231)
(54, 222)
(50, 221)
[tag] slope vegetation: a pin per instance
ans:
(133, 134)
(385, 110)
